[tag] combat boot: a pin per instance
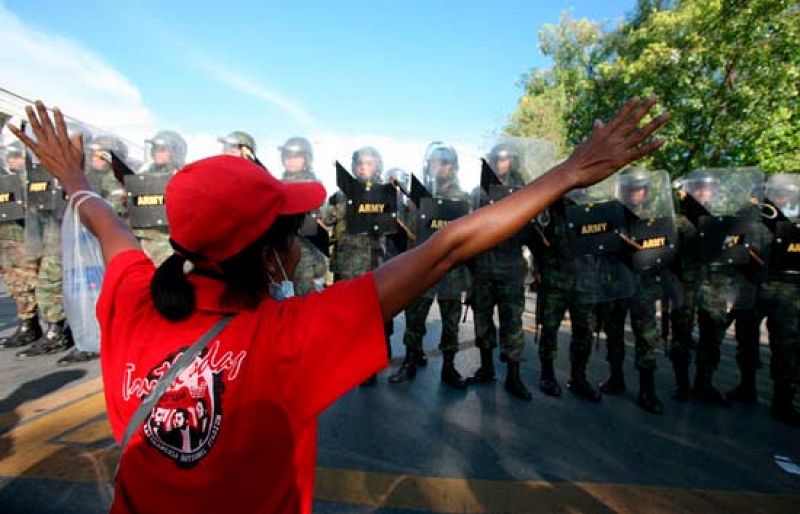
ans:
(76, 356)
(450, 374)
(615, 383)
(647, 392)
(28, 331)
(705, 392)
(407, 370)
(681, 369)
(57, 338)
(547, 381)
(486, 372)
(514, 384)
(745, 392)
(782, 408)
(580, 386)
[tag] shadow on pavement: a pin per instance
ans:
(28, 391)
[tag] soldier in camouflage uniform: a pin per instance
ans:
(18, 269)
(356, 254)
(779, 301)
(634, 187)
(714, 282)
(499, 280)
(682, 314)
(298, 166)
(168, 151)
(558, 292)
(44, 250)
(440, 175)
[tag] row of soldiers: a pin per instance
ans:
(615, 249)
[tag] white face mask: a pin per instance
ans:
(283, 290)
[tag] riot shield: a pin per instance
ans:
(435, 213)
(651, 234)
(313, 230)
(371, 208)
(723, 205)
(596, 228)
(145, 192)
(44, 193)
(781, 213)
(401, 240)
(12, 199)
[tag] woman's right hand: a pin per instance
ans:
(62, 157)
(615, 144)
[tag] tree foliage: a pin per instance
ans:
(728, 71)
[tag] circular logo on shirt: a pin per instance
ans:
(185, 422)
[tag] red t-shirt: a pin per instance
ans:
(237, 431)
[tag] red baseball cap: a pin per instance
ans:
(218, 206)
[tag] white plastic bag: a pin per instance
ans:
(83, 269)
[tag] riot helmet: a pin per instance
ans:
(367, 164)
(441, 167)
(292, 150)
(702, 185)
(504, 159)
(400, 175)
(783, 190)
(238, 144)
(633, 187)
(99, 151)
(168, 150)
(15, 156)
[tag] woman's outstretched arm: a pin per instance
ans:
(609, 148)
(63, 158)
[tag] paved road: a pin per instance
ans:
(421, 447)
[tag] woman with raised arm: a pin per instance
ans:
(267, 376)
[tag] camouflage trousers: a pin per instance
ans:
(312, 266)
(682, 318)
(712, 320)
(36, 282)
(554, 304)
(155, 243)
(510, 301)
(49, 292)
(642, 307)
(19, 273)
(417, 314)
(779, 302)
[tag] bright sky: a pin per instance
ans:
(392, 74)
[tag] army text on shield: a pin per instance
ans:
(12, 205)
(146, 199)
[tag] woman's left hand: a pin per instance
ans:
(61, 156)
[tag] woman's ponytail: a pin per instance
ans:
(171, 292)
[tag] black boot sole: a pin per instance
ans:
(587, 394)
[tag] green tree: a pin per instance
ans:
(727, 70)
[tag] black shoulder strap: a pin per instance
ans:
(184, 360)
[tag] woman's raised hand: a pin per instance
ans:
(617, 143)
(61, 156)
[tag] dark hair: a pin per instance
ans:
(246, 282)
